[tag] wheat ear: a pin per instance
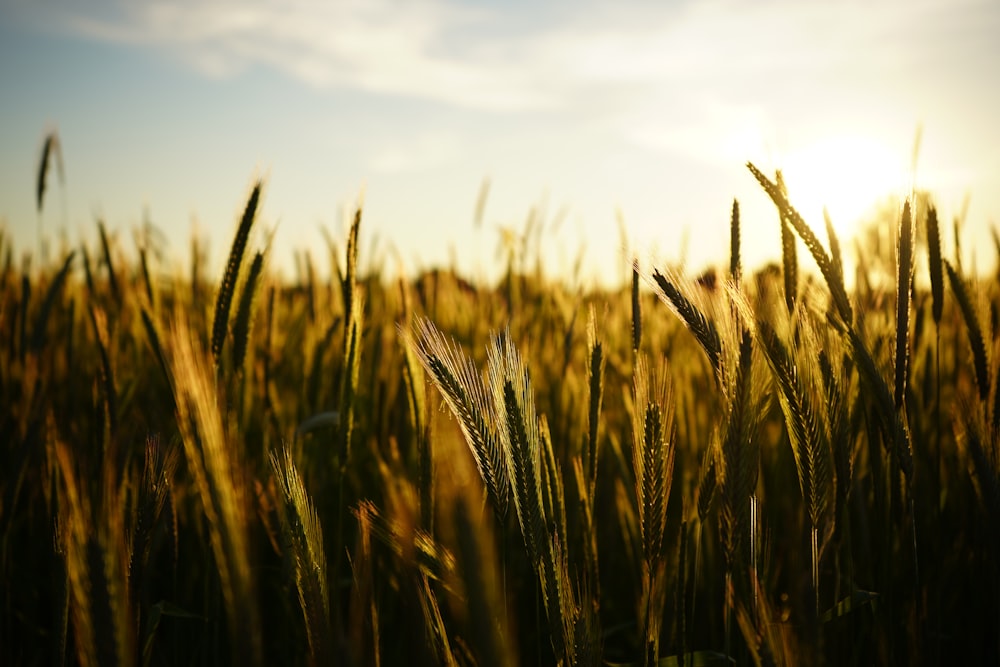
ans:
(227, 289)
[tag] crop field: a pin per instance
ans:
(765, 467)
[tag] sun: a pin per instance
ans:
(848, 175)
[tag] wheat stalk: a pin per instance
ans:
(836, 257)
(38, 337)
(536, 488)
(146, 278)
(218, 479)
(51, 149)
(99, 320)
(636, 309)
(904, 280)
(881, 396)
(349, 376)
(351, 255)
(227, 288)
(466, 395)
(973, 329)
(789, 256)
(242, 322)
(935, 265)
(826, 266)
(652, 454)
(514, 405)
(740, 454)
(302, 526)
(434, 561)
(704, 329)
(653, 459)
(735, 266)
(73, 538)
(807, 432)
(109, 262)
(806, 429)
(595, 349)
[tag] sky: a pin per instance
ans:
(594, 117)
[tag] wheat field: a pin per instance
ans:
(752, 467)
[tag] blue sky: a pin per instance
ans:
(577, 110)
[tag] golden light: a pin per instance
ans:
(846, 174)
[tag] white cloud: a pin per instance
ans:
(614, 63)
(376, 45)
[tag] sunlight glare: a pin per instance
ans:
(846, 174)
